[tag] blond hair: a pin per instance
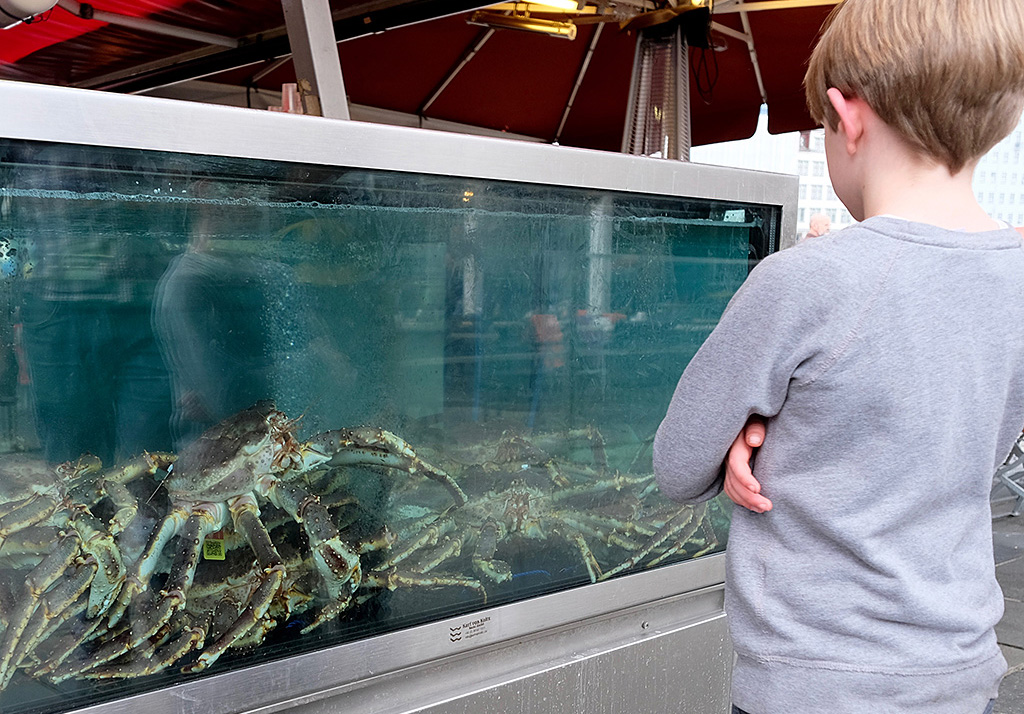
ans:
(946, 75)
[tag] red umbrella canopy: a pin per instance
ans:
(56, 27)
(59, 47)
(518, 82)
(444, 68)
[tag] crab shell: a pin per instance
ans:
(231, 457)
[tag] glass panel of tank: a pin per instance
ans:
(249, 409)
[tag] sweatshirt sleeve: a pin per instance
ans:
(769, 331)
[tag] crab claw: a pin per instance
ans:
(336, 561)
(373, 447)
(110, 571)
(341, 572)
(339, 566)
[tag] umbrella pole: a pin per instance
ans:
(315, 55)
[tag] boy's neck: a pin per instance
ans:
(899, 181)
(926, 192)
(876, 172)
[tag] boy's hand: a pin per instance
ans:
(740, 484)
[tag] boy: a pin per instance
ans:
(888, 360)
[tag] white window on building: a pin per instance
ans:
(803, 190)
(802, 167)
(816, 192)
(818, 168)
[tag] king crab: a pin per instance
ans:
(219, 481)
(79, 567)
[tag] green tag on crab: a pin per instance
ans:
(213, 549)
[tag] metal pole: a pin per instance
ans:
(315, 54)
(145, 24)
(579, 80)
(469, 54)
(599, 278)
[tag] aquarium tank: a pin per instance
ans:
(253, 408)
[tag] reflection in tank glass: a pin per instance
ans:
(250, 409)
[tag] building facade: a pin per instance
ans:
(998, 180)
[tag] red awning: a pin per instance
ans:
(57, 27)
(517, 82)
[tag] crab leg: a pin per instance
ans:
(25, 513)
(449, 548)
(392, 580)
(38, 582)
(246, 518)
(483, 555)
(61, 668)
(577, 539)
(110, 571)
(427, 536)
(375, 447)
(60, 649)
(617, 482)
(225, 614)
(337, 563)
(54, 610)
(205, 519)
(111, 483)
(151, 658)
(27, 548)
(145, 464)
(602, 528)
(169, 527)
(681, 526)
(670, 551)
(127, 507)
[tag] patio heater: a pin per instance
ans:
(658, 114)
(658, 118)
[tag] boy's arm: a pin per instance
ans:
(767, 337)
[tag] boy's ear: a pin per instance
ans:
(851, 117)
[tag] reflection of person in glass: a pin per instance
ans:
(98, 381)
(10, 268)
(236, 331)
(233, 322)
(210, 314)
(820, 224)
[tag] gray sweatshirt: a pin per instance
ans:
(889, 359)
